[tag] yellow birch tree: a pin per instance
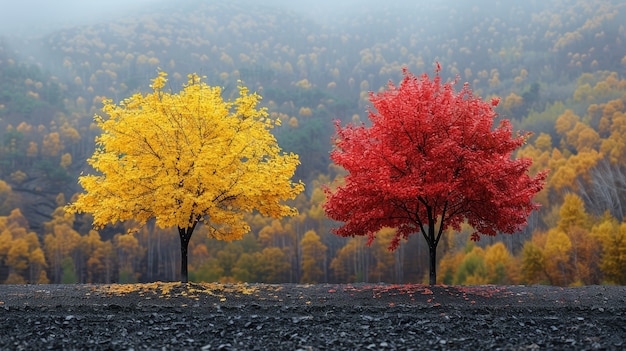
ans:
(185, 158)
(313, 258)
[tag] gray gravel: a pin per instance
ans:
(312, 317)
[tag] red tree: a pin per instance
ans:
(431, 160)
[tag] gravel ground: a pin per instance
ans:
(172, 316)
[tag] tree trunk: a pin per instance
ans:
(433, 264)
(184, 276)
(185, 236)
(432, 241)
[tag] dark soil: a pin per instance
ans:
(311, 317)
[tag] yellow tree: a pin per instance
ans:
(387, 264)
(129, 254)
(101, 259)
(585, 250)
(472, 270)
(612, 236)
(449, 264)
(533, 262)
(187, 158)
(60, 242)
(21, 256)
(313, 258)
(350, 263)
(6, 196)
(500, 264)
(557, 253)
(274, 265)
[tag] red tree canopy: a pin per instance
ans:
(431, 156)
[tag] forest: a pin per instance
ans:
(558, 67)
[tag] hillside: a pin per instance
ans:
(313, 66)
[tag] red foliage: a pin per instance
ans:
(431, 294)
(431, 156)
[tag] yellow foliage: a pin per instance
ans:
(69, 133)
(20, 250)
(17, 256)
(32, 150)
(557, 252)
(18, 176)
(24, 127)
(497, 254)
(304, 84)
(567, 173)
(66, 160)
(185, 158)
(533, 262)
(305, 111)
(293, 122)
(448, 266)
(512, 101)
(582, 137)
(544, 142)
(612, 236)
(43, 278)
(52, 144)
(171, 289)
(313, 257)
(572, 213)
(15, 279)
(566, 122)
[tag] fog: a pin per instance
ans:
(36, 17)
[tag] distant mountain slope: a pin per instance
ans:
(311, 63)
(487, 44)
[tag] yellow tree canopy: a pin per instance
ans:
(187, 157)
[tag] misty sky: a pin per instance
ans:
(36, 17)
(19, 17)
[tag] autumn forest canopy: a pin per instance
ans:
(558, 68)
